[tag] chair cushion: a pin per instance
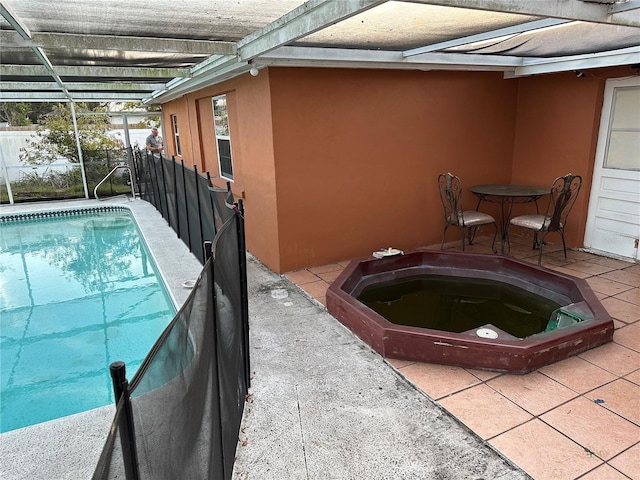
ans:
(534, 222)
(473, 218)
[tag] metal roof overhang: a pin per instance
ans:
(123, 50)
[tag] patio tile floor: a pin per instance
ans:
(547, 422)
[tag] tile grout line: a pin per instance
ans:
(606, 462)
(533, 416)
(576, 396)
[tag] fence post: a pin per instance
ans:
(229, 200)
(195, 174)
(175, 195)
(212, 203)
(165, 210)
(144, 161)
(218, 362)
(135, 168)
(126, 427)
(242, 261)
(136, 163)
(186, 202)
(154, 184)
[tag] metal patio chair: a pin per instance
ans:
(450, 187)
(564, 192)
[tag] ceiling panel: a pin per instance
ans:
(181, 46)
(403, 26)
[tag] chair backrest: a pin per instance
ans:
(450, 188)
(564, 192)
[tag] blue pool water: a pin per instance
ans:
(77, 292)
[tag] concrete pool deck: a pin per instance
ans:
(323, 405)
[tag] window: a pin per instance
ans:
(176, 134)
(223, 140)
(623, 143)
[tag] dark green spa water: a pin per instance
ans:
(459, 304)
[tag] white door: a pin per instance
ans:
(613, 221)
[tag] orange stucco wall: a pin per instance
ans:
(556, 133)
(358, 153)
(179, 108)
(249, 109)
(335, 163)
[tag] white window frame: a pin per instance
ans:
(222, 133)
(176, 134)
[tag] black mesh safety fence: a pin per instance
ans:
(169, 168)
(181, 206)
(233, 333)
(161, 185)
(185, 198)
(193, 215)
(143, 176)
(180, 416)
(155, 181)
(222, 202)
(206, 213)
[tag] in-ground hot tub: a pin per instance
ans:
(488, 312)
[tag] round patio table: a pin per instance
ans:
(506, 194)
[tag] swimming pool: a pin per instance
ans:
(78, 290)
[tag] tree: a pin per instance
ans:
(149, 121)
(138, 106)
(54, 137)
(54, 141)
(15, 114)
(19, 114)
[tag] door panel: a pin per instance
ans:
(617, 210)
